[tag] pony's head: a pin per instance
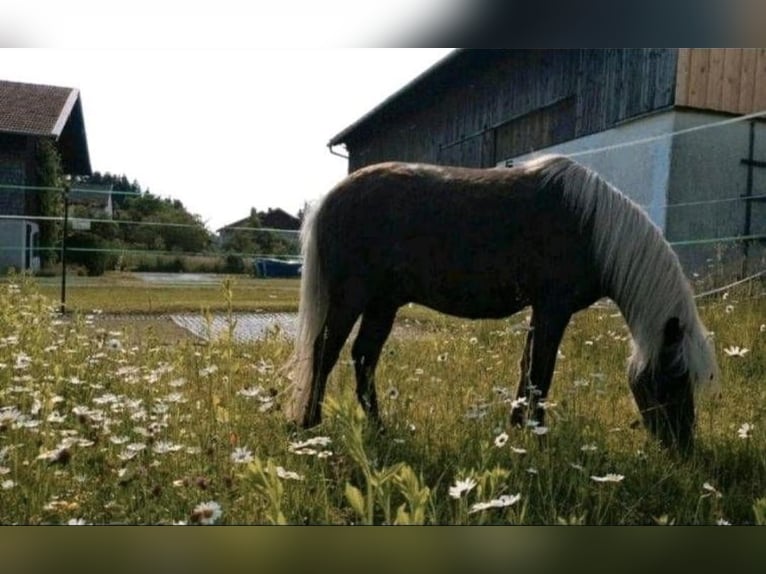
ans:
(664, 390)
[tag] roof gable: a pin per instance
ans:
(38, 110)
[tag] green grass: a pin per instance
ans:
(111, 426)
(125, 293)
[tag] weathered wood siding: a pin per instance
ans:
(489, 105)
(723, 79)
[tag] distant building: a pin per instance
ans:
(271, 219)
(30, 113)
(484, 108)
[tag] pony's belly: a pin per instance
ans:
(484, 300)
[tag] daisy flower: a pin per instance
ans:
(736, 351)
(288, 474)
(206, 513)
(745, 431)
(610, 477)
(501, 502)
(461, 487)
(501, 439)
(241, 455)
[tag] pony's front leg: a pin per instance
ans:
(538, 361)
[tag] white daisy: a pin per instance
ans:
(501, 502)
(610, 477)
(206, 513)
(501, 439)
(461, 487)
(241, 455)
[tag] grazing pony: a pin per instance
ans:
(485, 243)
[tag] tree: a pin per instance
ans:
(49, 175)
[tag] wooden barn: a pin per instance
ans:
(655, 122)
(29, 115)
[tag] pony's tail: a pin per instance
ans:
(312, 312)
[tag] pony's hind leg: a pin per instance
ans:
(327, 346)
(377, 321)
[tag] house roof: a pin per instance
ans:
(272, 219)
(47, 111)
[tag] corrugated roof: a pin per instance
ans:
(33, 109)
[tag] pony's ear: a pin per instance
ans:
(673, 332)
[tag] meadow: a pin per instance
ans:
(121, 426)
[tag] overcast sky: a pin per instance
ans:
(222, 130)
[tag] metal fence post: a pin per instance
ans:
(63, 248)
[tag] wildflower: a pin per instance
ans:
(175, 397)
(76, 522)
(735, 351)
(241, 455)
(56, 417)
(589, 448)
(212, 369)
(164, 447)
(729, 309)
(114, 345)
(461, 486)
(762, 328)
(722, 522)
(501, 502)
(206, 513)
(22, 361)
(745, 431)
(59, 454)
(473, 340)
(501, 439)
(306, 447)
(711, 491)
(539, 430)
(7, 484)
(250, 392)
(288, 474)
(442, 358)
(118, 439)
(518, 403)
(610, 477)
(532, 470)
(518, 450)
(8, 416)
(392, 393)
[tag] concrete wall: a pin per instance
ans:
(706, 183)
(14, 246)
(690, 184)
(640, 171)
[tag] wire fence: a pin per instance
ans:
(137, 257)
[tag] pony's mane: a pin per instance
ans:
(639, 270)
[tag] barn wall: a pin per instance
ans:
(500, 104)
(723, 79)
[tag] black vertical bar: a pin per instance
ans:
(748, 195)
(63, 249)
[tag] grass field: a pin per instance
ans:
(126, 293)
(99, 425)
